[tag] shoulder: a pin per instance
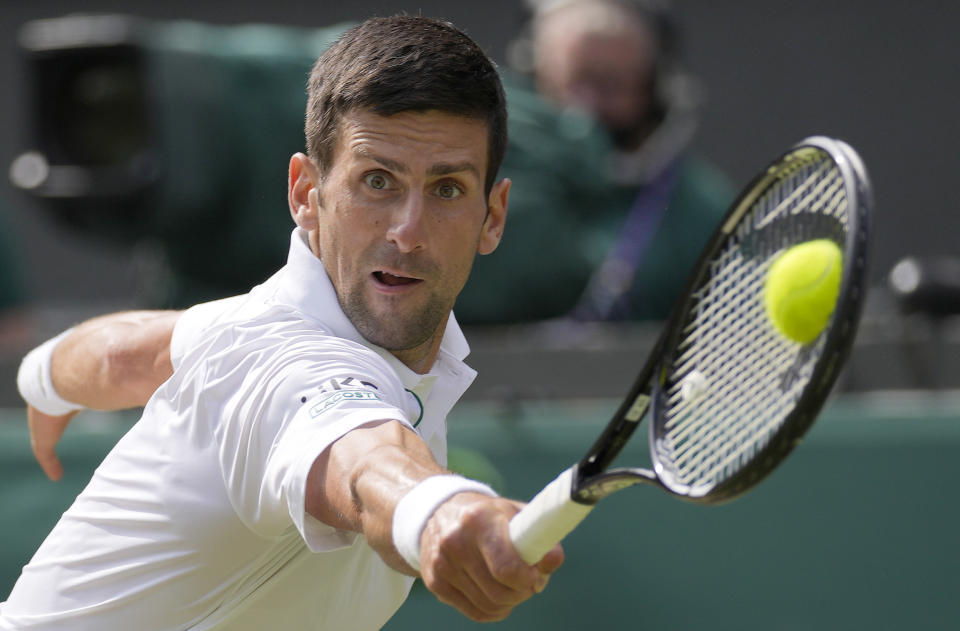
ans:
(281, 351)
(193, 322)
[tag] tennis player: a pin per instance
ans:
(288, 469)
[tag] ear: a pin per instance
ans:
(302, 191)
(496, 217)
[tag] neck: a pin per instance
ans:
(313, 240)
(420, 359)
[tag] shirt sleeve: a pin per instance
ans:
(305, 439)
(193, 322)
(310, 393)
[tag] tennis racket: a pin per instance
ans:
(729, 396)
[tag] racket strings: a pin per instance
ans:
(734, 379)
(789, 198)
(741, 392)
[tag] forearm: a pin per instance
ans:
(458, 537)
(108, 363)
(356, 484)
(115, 361)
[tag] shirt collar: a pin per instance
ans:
(305, 285)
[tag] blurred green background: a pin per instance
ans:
(856, 530)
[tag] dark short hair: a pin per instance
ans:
(404, 63)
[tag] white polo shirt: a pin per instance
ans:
(196, 520)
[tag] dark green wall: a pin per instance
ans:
(857, 530)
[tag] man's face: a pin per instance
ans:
(606, 74)
(401, 214)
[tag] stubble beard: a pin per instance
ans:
(398, 323)
(396, 330)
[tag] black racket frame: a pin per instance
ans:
(592, 480)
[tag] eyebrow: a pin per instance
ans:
(440, 168)
(445, 168)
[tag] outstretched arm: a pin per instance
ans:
(465, 555)
(111, 362)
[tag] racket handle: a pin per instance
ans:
(547, 519)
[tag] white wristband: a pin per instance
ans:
(36, 384)
(415, 508)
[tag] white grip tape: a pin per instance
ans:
(547, 519)
(35, 383)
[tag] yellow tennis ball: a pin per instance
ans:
(801, 289)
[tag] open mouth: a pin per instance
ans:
(391, 280)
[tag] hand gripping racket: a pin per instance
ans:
(729, 396)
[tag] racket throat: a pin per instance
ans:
(592, 489)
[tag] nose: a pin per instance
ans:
(408, 224)
(586, 95)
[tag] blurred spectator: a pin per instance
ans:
(559, 207)
(567, 206)
(619, 61)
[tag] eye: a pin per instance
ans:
(448, 190)
(376, 181)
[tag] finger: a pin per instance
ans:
(45, 433)
(552, 561)
(43, 441)
(453, 587)
(503, 565)
(547, 565)
(478, 583)
(495, 577)
(465, 606)
(458, 574)
(470, 561)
